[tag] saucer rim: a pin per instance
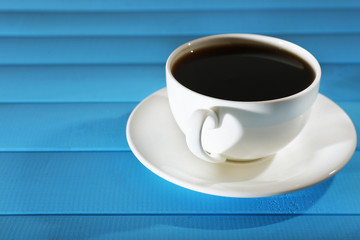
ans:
(232, 194)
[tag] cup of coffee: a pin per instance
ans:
(240, 96)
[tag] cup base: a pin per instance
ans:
(248, 160)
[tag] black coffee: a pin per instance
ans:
(242, 72)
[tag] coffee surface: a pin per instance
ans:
(241, 72)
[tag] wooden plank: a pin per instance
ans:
(143, 5)
(80, 83)
(117, 183)
(181, 227)
(77, 126)
(328, 48)
(64, 127)
(263, 21)
(128, 83)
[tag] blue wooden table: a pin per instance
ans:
(71, 72)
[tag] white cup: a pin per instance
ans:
(218, 129)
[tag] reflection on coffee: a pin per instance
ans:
(243, 72)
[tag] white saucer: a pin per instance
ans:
(323, 148)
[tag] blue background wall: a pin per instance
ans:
(72, 71)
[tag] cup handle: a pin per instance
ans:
(193, 135)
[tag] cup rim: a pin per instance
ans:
(289, 46)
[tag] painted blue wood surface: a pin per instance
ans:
(161, 23)
(144, 5)
(164, 227)
(120, 82)
(117, 183)
(70, 74)
(77, 126)
(327, 48)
